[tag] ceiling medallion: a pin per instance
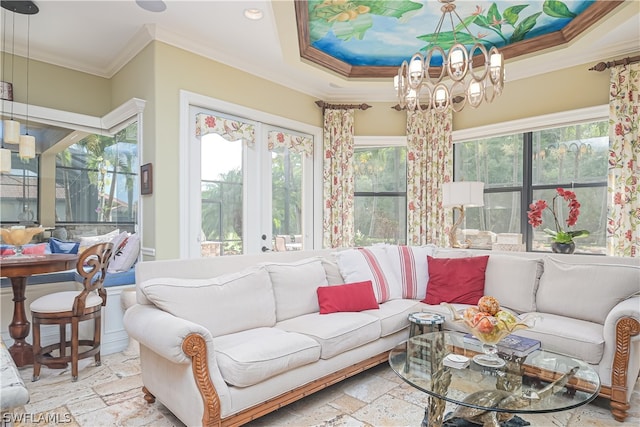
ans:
(476, 74)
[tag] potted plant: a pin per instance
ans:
(562, 240)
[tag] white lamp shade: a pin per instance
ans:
(5, 160)
(463, 193)
(11, 134)
(27, 148)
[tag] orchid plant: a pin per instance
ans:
(559, 235)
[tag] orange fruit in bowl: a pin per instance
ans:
(484, 322)
(489, 305)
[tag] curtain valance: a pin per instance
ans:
(231, 130)
(294, 143)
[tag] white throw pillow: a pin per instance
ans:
(295, 285)
(513, 281)
(124, 259)
(585, 291)
(409, 266)
(224, 305)
(370, 263)
(86, 242)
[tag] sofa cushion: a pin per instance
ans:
(29, 249)
(224, 305)
(456, 280)
(248, 357)
(332, 271)
(565, 335)
(393, 315)
(409, 266)
(294, 285)
(87, 241)
(370, 263)
(127, 252)
(585, 291)
(513, 281)
(337, 332)
(357, 296)
(57, 246)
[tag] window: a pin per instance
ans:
(19, 195)
(96, 179)
(523, 167)
(380, 196)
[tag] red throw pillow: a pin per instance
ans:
(356, 296)
(456, 280)
(33, 249)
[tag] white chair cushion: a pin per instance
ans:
(585, 291)
(513, 281)
(249, 357)
(224, 305)
(62, 301)
(394, 315)
(295, 285)
(335, 332)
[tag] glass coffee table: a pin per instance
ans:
(440, 364)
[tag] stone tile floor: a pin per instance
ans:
(110, 395)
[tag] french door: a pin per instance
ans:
(250, 186)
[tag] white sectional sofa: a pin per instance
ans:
(226, 340)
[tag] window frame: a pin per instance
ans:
(527, 127)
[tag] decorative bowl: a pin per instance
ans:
(19, 236)
(490, 330)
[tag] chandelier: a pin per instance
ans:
(475, 74)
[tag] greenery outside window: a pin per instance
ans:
(523, 167)
(380, 197)
(97, 180)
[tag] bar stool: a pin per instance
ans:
(71, 307)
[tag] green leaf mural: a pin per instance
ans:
(512, 14)
(557, 9)
(524, 27)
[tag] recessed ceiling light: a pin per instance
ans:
(254, 14)
(152, 5)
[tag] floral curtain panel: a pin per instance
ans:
(294, 143)
(231, 130)
(429, 165)
(623, 219)
(338, 179)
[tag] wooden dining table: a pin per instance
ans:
(18, 269)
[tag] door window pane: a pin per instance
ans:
(286, 193)
(221, 191)
(495, 161)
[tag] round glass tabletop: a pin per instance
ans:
(441, 364)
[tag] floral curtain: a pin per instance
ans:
(231, 130)
(295, 143)
(623, 219)
(429, 165)
(338, 179)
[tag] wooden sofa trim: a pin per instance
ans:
(626, 328)
(195, 347)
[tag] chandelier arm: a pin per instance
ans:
(465, 27)
(438, 29)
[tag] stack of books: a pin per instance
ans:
(511, 344)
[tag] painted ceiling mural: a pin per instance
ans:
(387, 32)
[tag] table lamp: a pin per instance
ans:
(458, 195)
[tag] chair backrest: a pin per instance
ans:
(281, 244)
(92, 266)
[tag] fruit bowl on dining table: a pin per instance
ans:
(19, 236)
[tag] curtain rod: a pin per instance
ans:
(601, 66)
(325, 105)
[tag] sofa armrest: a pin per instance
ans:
(620, 361)
(162, 332)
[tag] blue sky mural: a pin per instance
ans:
(385, 33)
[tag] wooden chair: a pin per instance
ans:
(71, 307)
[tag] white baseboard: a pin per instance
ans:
(114, 337)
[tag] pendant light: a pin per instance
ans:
(27, 147)
(11, 127)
